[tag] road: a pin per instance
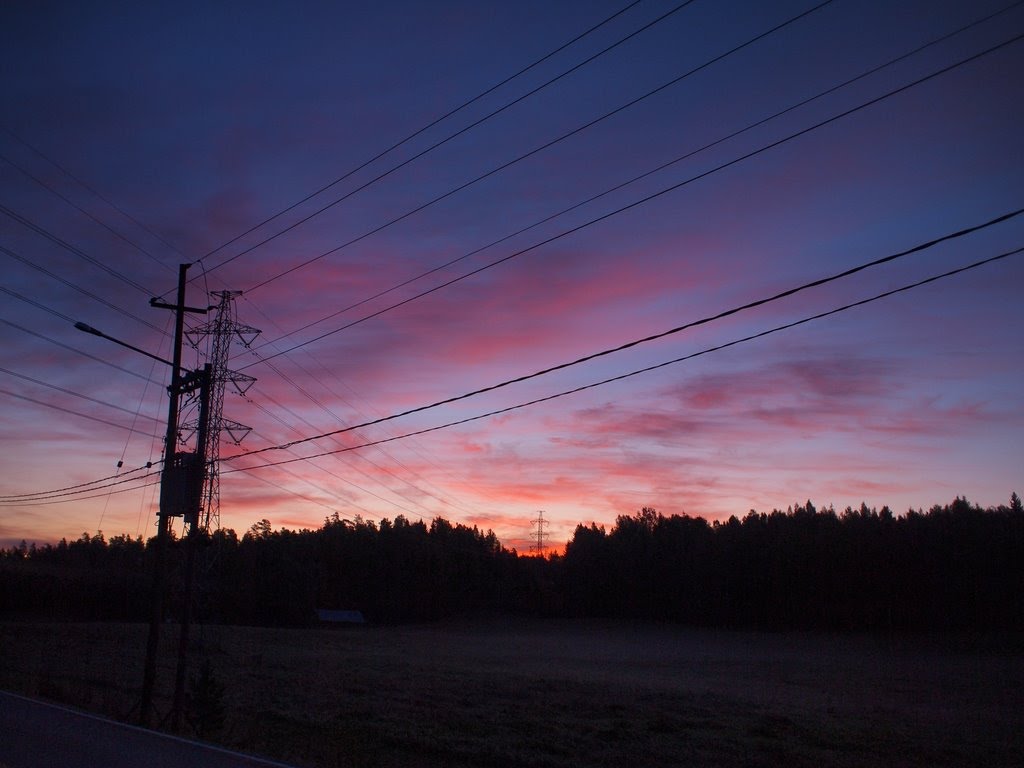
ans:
(38, 735)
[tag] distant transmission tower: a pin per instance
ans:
(220, 331)
(539, 534)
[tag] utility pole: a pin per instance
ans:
(192, 517)
(171, 496)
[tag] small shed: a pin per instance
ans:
(329, 616)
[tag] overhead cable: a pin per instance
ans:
(66, 391)
(705, 351)
(89, 188)
(42, 231)
(669, 332)
(28, 399)
(541, 148)
(83, 211)
(74, 498)
(653, 196)
(69, 348)
(370, 461)
(452, 136)
(419, 131)
(80, 289)
(335, 475)
(34, 303)
(449, 499)
(652, 171)
(303, 497)
(85, 487)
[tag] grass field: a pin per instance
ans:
(511, 693)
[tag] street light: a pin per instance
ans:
(89, 329)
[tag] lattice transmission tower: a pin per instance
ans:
(210, 425)
(539, 534)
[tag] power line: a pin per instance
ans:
(547, 145)
(450, 500)
(66, 391)
(672, 331)
(307, 498)
(74, 413)
(42, 231)
(84, 212)
(339, 477)
(73, 349)
(705, 351)
(128, 439)
(661, 167)
(316, 401)
(330, 472)
(309, 396)
(365, 474)
(80, 289)
(416, 133)
(74, 498)
(142, 501)
(138, 410)
(120, 477)
(89, 188)
(38, 305)
(438, 144)
(652, 196)
(101, 197)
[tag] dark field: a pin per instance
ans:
(497, 693)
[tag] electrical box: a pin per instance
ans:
(181, 492)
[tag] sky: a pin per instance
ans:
(637, 178)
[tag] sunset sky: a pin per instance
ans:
(134, 137)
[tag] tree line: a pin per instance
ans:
(953, 567)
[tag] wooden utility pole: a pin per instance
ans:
(170, 495)
(192, 517)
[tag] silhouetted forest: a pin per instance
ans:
(953, 567)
